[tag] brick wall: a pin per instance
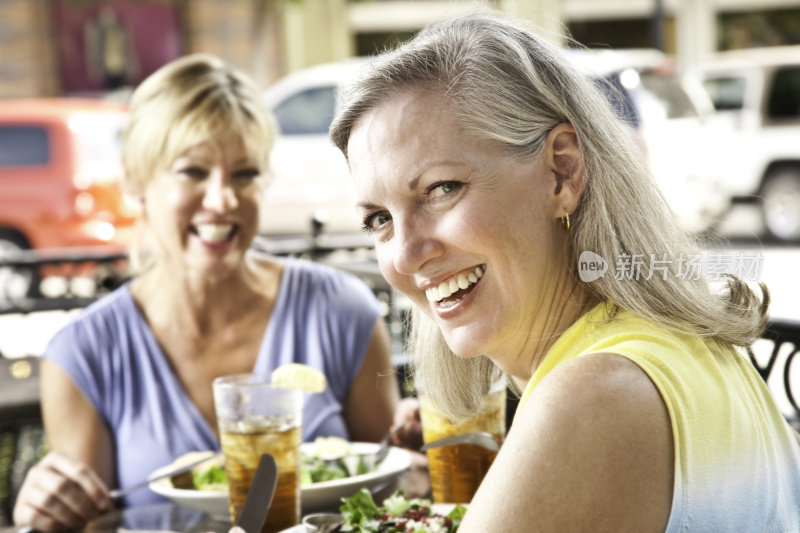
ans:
(28, 65)
(248, 34)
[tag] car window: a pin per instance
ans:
(665, 92)
(784, 97)
(727, 93)
(308, 112)
(23, 146)
(99, 145)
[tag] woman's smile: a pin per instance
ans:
(215, 235)
(451, 291)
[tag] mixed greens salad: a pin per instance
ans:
(313, 470)
(397, 515)
(329, 459)
(210, 478)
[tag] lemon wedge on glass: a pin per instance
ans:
(299, 376)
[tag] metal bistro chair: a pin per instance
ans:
(782, 339)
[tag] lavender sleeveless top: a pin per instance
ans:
(322, 317)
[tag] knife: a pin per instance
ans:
(118, 493)
(259, 497)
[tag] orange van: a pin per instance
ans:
(60, 166)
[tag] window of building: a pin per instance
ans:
(623, 33)
(371, 43)
(773, 27)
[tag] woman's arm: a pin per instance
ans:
(591, 450)
(70, 485)
(374, 394)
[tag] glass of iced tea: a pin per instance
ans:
(457, 470)
(257, 417)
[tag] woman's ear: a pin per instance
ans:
(563, 158)
(133, 195)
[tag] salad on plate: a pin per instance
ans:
(326, 460)
(397, 514)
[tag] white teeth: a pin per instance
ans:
(444, 290)
(447, 288)
(434, 294)
(214, 232)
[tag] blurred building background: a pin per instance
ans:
(83, 47)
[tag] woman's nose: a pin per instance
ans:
(219, 193)
(412, 245)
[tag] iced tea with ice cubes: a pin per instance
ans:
(255, 417)
(243, 447)
(457, 470)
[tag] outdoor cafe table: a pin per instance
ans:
(169, 516)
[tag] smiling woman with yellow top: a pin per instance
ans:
(485, 165)
(126, 387)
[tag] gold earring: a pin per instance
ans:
(565, 221)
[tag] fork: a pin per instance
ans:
(119, 493)
(371, 460)
(479, 438)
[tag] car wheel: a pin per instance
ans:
(15, 283)
(781, 204)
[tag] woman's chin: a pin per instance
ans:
(461, 347)
(216, 268)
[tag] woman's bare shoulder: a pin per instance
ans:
(602, 390)
(591, 445)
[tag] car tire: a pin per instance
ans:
(780, 201)
(15, 284)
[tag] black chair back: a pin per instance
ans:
(785, 338)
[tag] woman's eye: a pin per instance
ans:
(247, 173)
(375, 221)
(195, 173)
(443, 187)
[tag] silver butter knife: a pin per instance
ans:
(479, 438)
(119, 493)
(259, 497)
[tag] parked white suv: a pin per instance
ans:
(667, 112)
(756, 93)
(311, 189)
(311, 177)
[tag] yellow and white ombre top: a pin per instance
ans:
(737, 462)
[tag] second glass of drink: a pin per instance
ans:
(257, 417)
(457, 470)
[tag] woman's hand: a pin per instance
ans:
(60, 494)
(407, 426)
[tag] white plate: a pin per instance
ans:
(322, 495)
(328, 494)
(440, 508)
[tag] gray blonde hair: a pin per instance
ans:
(192, 100)
(508, 85)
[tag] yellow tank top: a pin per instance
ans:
(737, 462)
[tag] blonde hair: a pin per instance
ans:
(192, 100)
(507, 84)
